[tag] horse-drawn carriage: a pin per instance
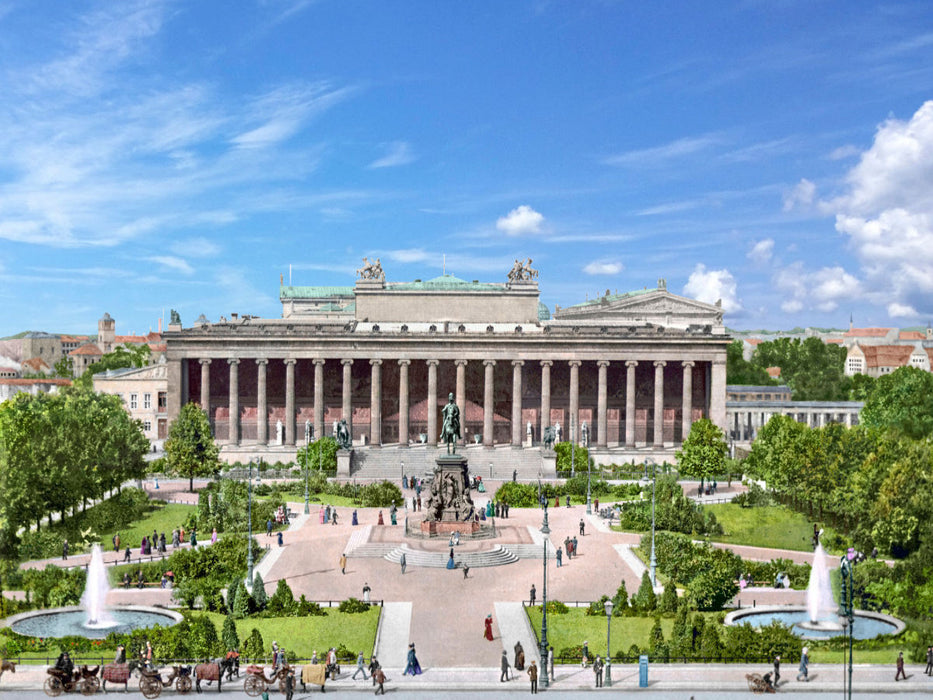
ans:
(150, 680)
(214, 671)
(313, 674)
(83, 680)
(759, 684)
(257, 681)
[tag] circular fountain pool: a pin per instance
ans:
(63, 622)
(867, 625)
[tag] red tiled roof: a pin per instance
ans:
(35, 364)
(154, 337)
(754, 341)
(74, 338)
(131, 339)
(887, 355)
(8, 369)
(158, 347)
(89, 349)
(912, 335)
(773, 372)
(24, 382)
(867, 332)
(834, 341)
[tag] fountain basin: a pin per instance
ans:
(867, 625)
(72, 621)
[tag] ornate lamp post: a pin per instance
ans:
(653, 563)
(845, 570)
(545, 530)
(589, 501)
(307, 470)
(608, 605)
(573, 444)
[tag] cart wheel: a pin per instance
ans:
(253, 686)
(53, 686)
(183, 685)
(150, 687)
(90, 685)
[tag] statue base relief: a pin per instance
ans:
(449, 508)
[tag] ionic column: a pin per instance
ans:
(403, 402)
(206, 388)
(290, 401)
(573, 430)
(461, 395)
(659, 403)
(375, 403)
(717, 395)
(319, 397)
(517, 402)
(262, 406)
(488, 402)
(432, 401)
(630, 366)
(687, 417)
(347, 405)
(545, 396)
(233, 435)
(602, 420)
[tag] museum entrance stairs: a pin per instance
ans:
(389, 462)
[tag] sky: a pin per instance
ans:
(160, 154)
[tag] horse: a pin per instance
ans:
(6, 665)
(549, 437)
(118, 673)
(211, 672)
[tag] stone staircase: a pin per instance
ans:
(497, 555)
(389, 462)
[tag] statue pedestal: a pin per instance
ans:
(344, 461)
(450, 508)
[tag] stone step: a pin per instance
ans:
(496, 556)
(389, 462)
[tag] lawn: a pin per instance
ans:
(765, 526)
(303, 635)
(164, 517)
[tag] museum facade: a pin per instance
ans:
(621, 372)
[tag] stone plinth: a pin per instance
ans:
(434, 527)
(344, 462)
(450, 508)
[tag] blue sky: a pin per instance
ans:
(155, 155)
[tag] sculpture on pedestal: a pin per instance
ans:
(450, 429)
(343, 435)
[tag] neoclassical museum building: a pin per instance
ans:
(625, 374)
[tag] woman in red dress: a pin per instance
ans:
(488, 633)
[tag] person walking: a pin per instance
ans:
(127, 555)
(379, 678)
(531, 595)
(289, 684)
(929, 668)
(504, 676)
(403, 562)
(269, 527)
(533, 676)
(575, 550)
(900, 668)
(116, 542)
(559, 557)
(373, 667)
(487, 633)
(333, 517)
(281, 538)
(598, 671)
(65, 549)
(360, 668)
(586, 654)
(519, 657)
(777, 669)
(343, 563)
(582, 526)
(804, 664)
(366, 592)
(413, 667)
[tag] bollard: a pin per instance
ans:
(642, 671)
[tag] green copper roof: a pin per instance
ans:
(314, 292)
(444, 282)
(544, 313)
(612, 297)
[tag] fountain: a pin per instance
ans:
(821, 608)
(92, 619)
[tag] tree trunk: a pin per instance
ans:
(191, 483)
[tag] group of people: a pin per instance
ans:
(326, 514)
(570, 549)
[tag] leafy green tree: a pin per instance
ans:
(620, 600)
(681, 635)
(254, 648)
(282, 601)
(656, 645)
(243, 604)
(64, 368)
(668, 603)
(259, 593)
(814, 370)
(741, 371)
(320, 454)
(645, 601)
(203, 640)
(703, 453)
(580, 457)
(190, 449)
(122, 356)
(229, 636)
(902, 401)
(710, 644)
(861, 387)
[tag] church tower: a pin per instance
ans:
(106, 333)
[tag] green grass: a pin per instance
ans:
(574, 627)
(304, 635)
(164, 517)
(766, 526)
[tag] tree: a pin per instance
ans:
(190, 449)
(259, 593)
(64, 368)
(668, 602)
(125, 355)
(229, 636)
(243, 602)
(741, 371)
(703, 453)
(580, 457)
(322, 453)
(254, 648)
(620, 604)
(645, 601)
(902, 401)
(282, 601)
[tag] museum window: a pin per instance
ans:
(163, 401)
(147, 426)
(147, 401)
(134, 400)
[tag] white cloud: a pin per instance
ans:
(520, 220)
(843, 152)
(896, 310)
(792, 306)
(172, 263)
(408, 255)
(801, 196)
(762, 251)
(669, 151)
(712, 285)
(821, 289)
(603, 267)
(396, 153)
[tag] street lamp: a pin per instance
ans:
(589, 501)
(307, 471)
(545, 530)
(249, 521)
(573, 444)
(653, 563)
(845, 570)
(608, 605)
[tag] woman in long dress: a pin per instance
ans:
(488, 633)
(413, 667)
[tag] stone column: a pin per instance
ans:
(375, 403)
(573, 430)
(432, 401)
(262, 405)
(602, 420)
(687, 417)
(319, 429)
(488, 402)
(630, 366)
(717, 397)
(206, 388)
(545, 395)
(290, 401)
(517, 403)
(848, 419)
(233, 435)
(403, 402)
(461, 396)
(659, 403)
(347, 405)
